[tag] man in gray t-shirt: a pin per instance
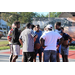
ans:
(27, 41)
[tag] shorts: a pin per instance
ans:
(39, 51)
(59, 51)
(64, 50)
(16, 50)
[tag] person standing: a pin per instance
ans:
(15, 41)
(58, 30)
(37, 44)
(27, 41)
(48, 42)
(9, 37)
(65, 45)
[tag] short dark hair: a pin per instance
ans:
(32, 26)
(38, 25)
(58, 23)
(16, 22)
(28, 25)
(62, 28)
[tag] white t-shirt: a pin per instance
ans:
(51, 38)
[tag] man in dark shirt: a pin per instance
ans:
(65, 45)
(15, 41)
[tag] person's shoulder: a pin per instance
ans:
(15, 29)
(66, 34)
(40, 31)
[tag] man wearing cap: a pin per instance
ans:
(48, 41)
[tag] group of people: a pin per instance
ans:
(48, 43)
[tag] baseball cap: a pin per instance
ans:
(49, 26)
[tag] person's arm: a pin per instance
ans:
(20, 40)
(61, 39)
(60, 42)
(69, 41)
(8, 37)
(34, 35)
(42, 41)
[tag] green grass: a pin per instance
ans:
(4, 47)
(71, 47)
(3, 43)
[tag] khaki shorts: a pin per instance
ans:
(16, 50)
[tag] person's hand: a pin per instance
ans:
(44, 46)
(57, 47)
(36, 36)
(67, 45)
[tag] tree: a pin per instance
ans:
(54, 14)
(23, 17)
(26, 17)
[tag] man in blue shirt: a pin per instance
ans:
(39, 33)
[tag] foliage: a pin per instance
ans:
(24, 17)
(54, 14)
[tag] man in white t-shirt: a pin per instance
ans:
(49, 41)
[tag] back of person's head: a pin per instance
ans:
(38, 26)
(62, 28)
(28, 25)
(32, 27)
(49, 27)
(58, 23)
(16, 23)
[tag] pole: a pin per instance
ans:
(49, 15)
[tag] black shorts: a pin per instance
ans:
(28, 56)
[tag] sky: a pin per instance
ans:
(44, 13)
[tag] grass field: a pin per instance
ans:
(71, 47)
(2, 43)
(3, 46)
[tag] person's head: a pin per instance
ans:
(13, 26)
(45, 28)
(32, 27)
(17, 24)
(28, 25)
(62, 28)
(57, 25)
(37, 27)
(49, 27)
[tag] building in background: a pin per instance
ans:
(67, 14)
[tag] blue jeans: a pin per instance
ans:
(49, 54)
